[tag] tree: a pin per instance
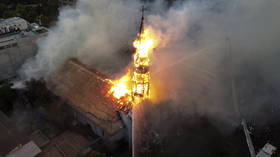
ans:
(31, 15)
(3, 9)
(93, 154)
(7, 98)
(37, 93)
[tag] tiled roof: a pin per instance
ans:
(85, 89)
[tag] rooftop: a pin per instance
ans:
(13, 24)
(67, 144)
(85, 89)
(17, 27)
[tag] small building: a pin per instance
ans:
(12, 25)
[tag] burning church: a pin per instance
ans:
(105, 104)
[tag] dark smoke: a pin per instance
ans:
(199, 41)
(164, 131)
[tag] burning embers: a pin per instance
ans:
(134, 87)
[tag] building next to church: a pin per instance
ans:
(18, 40)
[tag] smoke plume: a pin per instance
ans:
(199, 43)
(98, 33)
(206, 48)
(203, 46)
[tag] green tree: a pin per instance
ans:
(31, 15)
(37, 93)
(20, 10)
(3, 9)
(8, 13)
(7, 97)
(50, 10)
(93, 154)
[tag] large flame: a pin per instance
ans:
(136, 87)
(143, 44)
(121, 87)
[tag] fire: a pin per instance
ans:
(120, 87)
(143, 45)
(134, 87)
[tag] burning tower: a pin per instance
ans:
(134, 87)
(141, 74)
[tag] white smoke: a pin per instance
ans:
(191, 73)
(191, 63)
(94, 32)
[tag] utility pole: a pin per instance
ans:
(236, 105)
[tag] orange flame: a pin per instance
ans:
(136, 88)
(120, 87)
(143, 44)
